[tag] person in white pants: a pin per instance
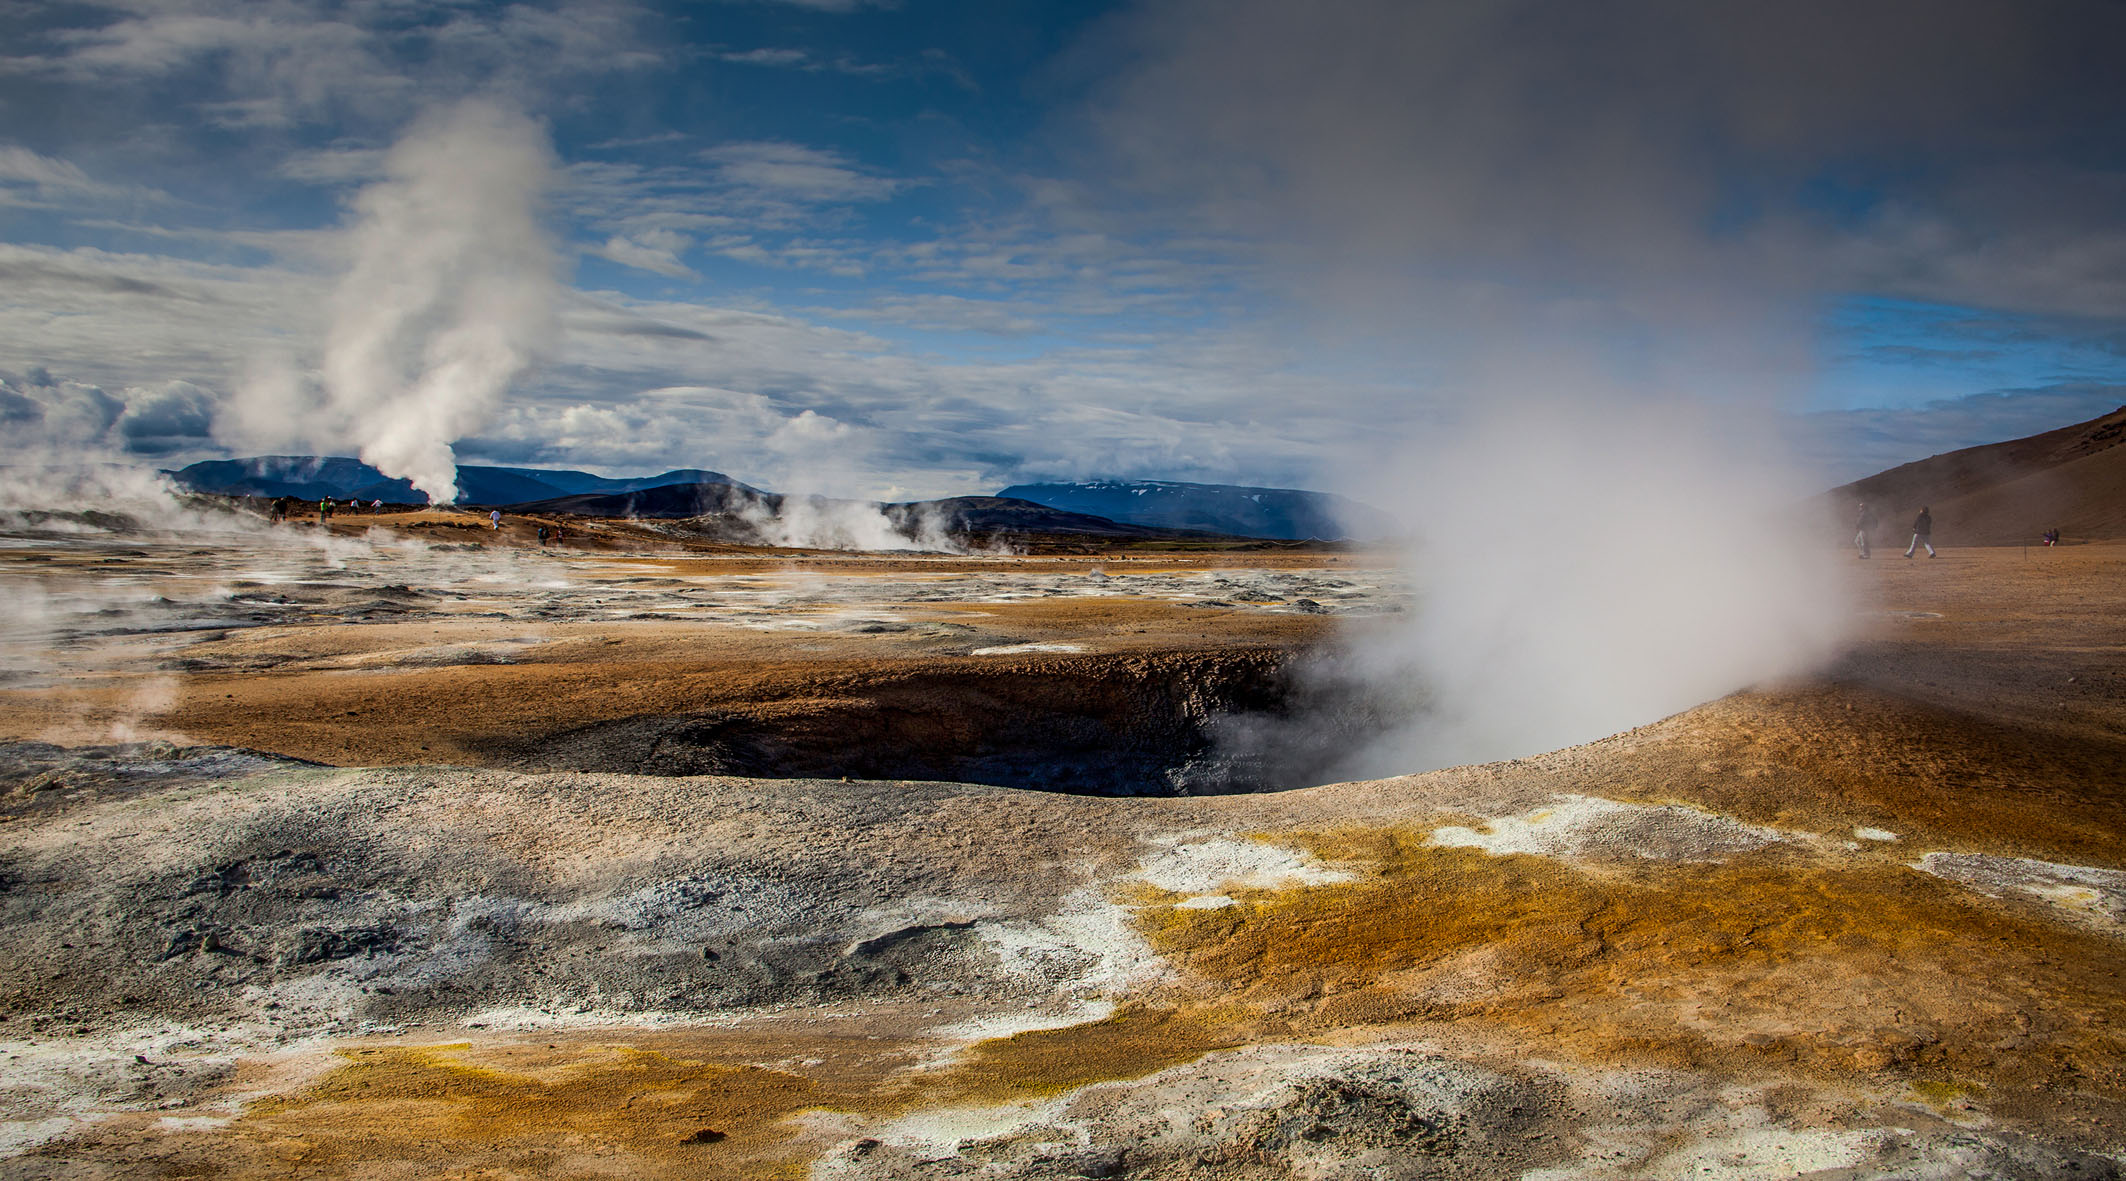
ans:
(1867, 522)
(1923, 534)
(494, 517)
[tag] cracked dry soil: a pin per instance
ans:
(1868, 926)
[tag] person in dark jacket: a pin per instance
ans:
(1923, 534)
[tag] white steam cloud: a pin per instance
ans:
(1583, 568)
(816, 522)
(1607, 317)
(450, 296)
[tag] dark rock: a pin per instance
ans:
(1095, 1163)
(316, 945)
(224, 881)
(182, 942)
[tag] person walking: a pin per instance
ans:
(1923, 533)
(1867, 522)
(494, 517)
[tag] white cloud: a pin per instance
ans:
(281, 62)
(306, 249)
(1213, 411)
(160, 41)
(792, 172)
(120, 319)
(760, 203)
(28, 178)
(278, 63)
(952, 313)
(656, 251)
(49, 416)
(2072, 270)
(767, 57)
(334, 166)
(173, 416)
(802, 405)
(784, 58)
(20, 166)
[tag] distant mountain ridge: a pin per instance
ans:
(2072, 479)
(719, 505)
(1236, 510)
(312, 477)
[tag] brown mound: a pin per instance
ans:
(2072, 479)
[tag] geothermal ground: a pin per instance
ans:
(374, 856)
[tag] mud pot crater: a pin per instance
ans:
(1134, 725)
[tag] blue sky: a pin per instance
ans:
(927, 248)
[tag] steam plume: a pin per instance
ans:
(452, 290)
(1513, 201)
(1582, 568)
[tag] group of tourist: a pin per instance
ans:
(1922, 532)
(282, 507)
(327, 507)
(548, 534)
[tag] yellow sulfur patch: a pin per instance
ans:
(1946, 1094)
(543, 1110)
(1774, 960)
(1132, 1043)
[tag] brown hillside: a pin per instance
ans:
(2072, 479)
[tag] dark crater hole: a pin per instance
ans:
(1141, 724)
